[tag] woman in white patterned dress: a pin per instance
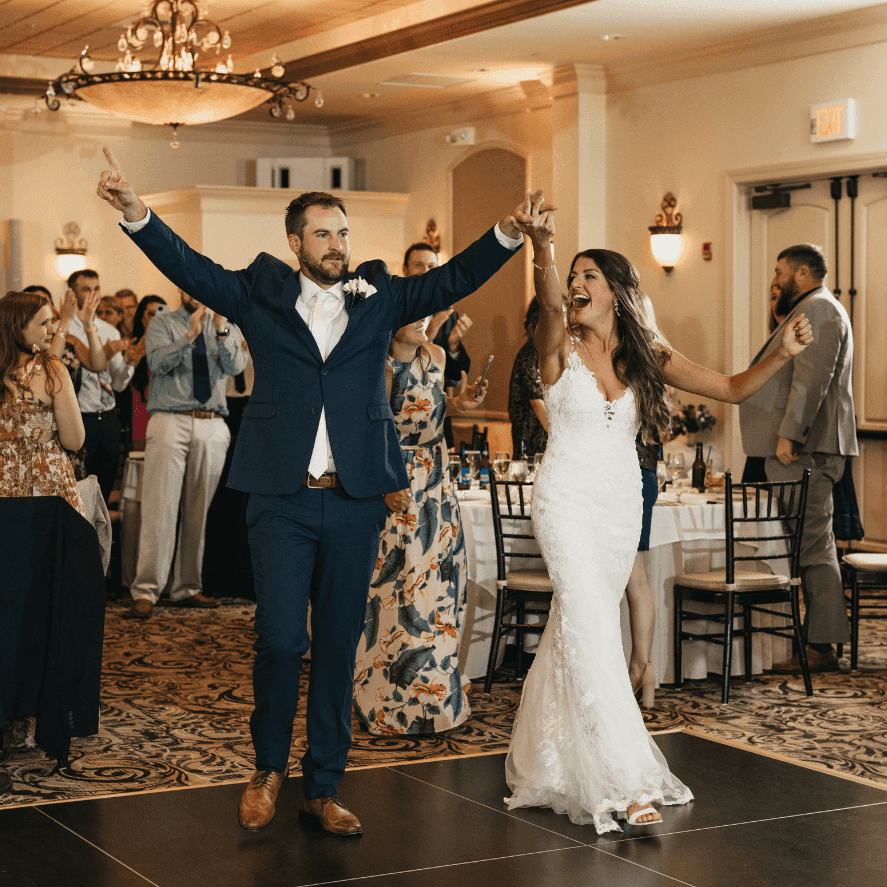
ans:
(579, 743)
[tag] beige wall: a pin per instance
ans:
(686, 137)
(49, 166)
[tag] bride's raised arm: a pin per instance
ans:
(536, 221)
(688, 376)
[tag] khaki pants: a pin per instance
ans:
(184, 458)
(826, 620)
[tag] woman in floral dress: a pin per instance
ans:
(407, 677)
(39, 413)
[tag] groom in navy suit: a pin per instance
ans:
(317, 451)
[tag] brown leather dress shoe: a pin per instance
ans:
(331, 815)
(141, 609)
(257, 802)
(816, 661)
(199, 600)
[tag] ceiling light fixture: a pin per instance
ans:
(665, 236)
(184, 84)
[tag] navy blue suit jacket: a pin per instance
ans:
(292, 382)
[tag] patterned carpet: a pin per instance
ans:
(176, 701)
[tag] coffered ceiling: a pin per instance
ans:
(400, 63)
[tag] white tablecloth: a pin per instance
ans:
(683, 539)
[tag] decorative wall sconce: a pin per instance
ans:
(70, 251)
(665, 236)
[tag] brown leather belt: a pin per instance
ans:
(324, 482)
(197, 414)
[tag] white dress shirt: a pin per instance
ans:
(97, 389)
(333, 302)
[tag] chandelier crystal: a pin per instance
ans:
(187, 80)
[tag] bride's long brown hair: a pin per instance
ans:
(16, 312)
(642, 351)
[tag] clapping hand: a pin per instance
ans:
(436, 322)
(87, 311)
(796, 336)
(69, 308)
(114, 188)
(197, 319)
(534, 218)
(134, 351)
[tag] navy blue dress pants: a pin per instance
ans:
(318, 545)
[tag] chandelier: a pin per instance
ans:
(189, 82)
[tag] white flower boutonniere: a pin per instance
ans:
(358, 289)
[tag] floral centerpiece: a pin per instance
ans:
(691, 419)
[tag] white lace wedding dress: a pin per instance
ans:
(579, 743)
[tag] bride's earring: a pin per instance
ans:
(616, 306)
(35, 349)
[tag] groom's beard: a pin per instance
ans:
(331, 273)
(787, 296)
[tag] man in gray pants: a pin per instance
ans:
(803, 418)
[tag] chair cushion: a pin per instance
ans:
(746, 580)
(868, 561)
(528, 580)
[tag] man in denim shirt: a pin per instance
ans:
(190, 353)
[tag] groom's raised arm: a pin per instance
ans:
(462, 275)
(226, 292)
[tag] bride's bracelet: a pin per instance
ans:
(545, 269)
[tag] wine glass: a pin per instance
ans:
(519, 469)
(537, 462)
(661, 474)
(474, 463)
(675, 466)
(501, 464)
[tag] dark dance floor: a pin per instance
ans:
(756, 821)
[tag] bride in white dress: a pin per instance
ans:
(579, 743)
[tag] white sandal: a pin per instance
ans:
(644, 811)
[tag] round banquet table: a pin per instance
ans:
(683, 539)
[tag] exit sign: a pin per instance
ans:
(832, 121)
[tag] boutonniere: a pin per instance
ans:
(357, 289)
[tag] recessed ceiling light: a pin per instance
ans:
(371, 95)
(613, 37)
(480, 70)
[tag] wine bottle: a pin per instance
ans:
(485, 468)
(698, 470)
(464, 471)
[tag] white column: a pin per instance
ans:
(579, 135)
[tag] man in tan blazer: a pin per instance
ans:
(803, 418)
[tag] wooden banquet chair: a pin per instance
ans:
(771, 513)
(865, 574)
(519, 592)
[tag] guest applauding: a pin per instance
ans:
(38, 408)
(418, 591)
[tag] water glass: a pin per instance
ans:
(519, 469)
(501, 464)
(473, 463)
(537, 462)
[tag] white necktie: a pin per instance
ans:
(319, 326)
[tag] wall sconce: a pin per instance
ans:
(665, 236)
(70, 252)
